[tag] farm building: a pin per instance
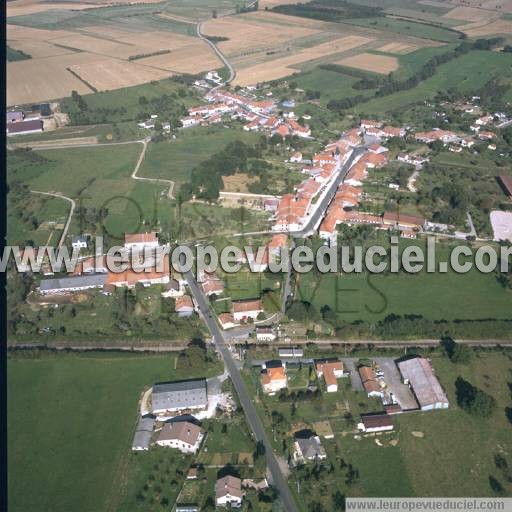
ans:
(179, 395)
(308, 447)
(79, 242)
(265, 334)
(227, 321)
(291, 352)
(418, 374)
(72, 284)
(397, 220)
(370, 382)
(146, 276)
(330, 371)
(23, 127)
(182, 435)
(139, 241)
(15, 116)
(173, 289)
(142, 437)
(273, 379)
(228, 491)
(375, 423)
(184, 306)
(242, 310)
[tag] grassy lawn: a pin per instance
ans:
(175, 159)
(435, 296)
(100, 177)
(331, 85)
(250, 285)
(467, 73)
(77, 455)
(228, 442)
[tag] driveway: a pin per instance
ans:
(392, 377)
(355, 380)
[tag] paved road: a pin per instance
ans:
(222, 57)
(250, 411)
(70, 215)
(319, 212)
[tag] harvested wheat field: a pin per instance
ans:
(398, 48)
(272, 3)
(369, 62)
(281, 67)
(107, 74)
(470, 14)
(192, 59)
(502, 6)
(44, 79)
(17, 9)
(103, 57)
(482, 29)
(38, 49)
(247, 33)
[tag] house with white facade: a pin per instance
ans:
(228, 491)
(181, 435)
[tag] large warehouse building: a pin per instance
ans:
(418, 375)
(179, 396)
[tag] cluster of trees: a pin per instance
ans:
(168, 106)
(416, 326)
(502, 466)
(194, 357)
(14, 55)
(329, 10)
(80, 113)
(472, 399)
(206, 179)
(151, 54)
(456, 352)
(390, 85)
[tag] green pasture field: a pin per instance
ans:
(76, 454)
(436, 296)
(466, 74)
(174, 160)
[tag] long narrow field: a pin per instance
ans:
(435, 296)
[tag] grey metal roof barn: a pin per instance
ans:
(418, 373)
(142, 436)
(173, 396)
(311, 447)
(75, 283)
